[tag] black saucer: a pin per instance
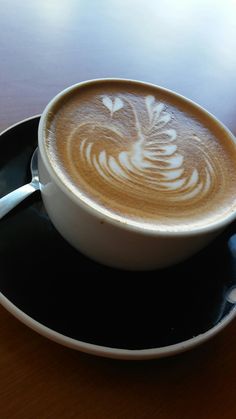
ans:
(45, 278)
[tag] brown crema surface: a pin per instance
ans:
(142, 154)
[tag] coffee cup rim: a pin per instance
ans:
(104, 214)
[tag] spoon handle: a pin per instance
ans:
(9, 201)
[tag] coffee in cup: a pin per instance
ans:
(143, 160)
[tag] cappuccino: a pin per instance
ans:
(142, 155)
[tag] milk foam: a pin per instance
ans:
(152, 159)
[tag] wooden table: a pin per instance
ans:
(45, 45)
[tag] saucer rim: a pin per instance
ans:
(15, 124)
(110, 352)
(106, 351)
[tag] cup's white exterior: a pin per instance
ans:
(112, 242)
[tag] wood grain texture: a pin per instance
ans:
(45, 46)
(40, 379)
(187, 46)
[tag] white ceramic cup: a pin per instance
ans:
(110, 241)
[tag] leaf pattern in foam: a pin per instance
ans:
(112, 106)
(152, 159)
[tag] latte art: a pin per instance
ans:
(142, 155)
(151, 160)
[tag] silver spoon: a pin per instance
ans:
(11, 200)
